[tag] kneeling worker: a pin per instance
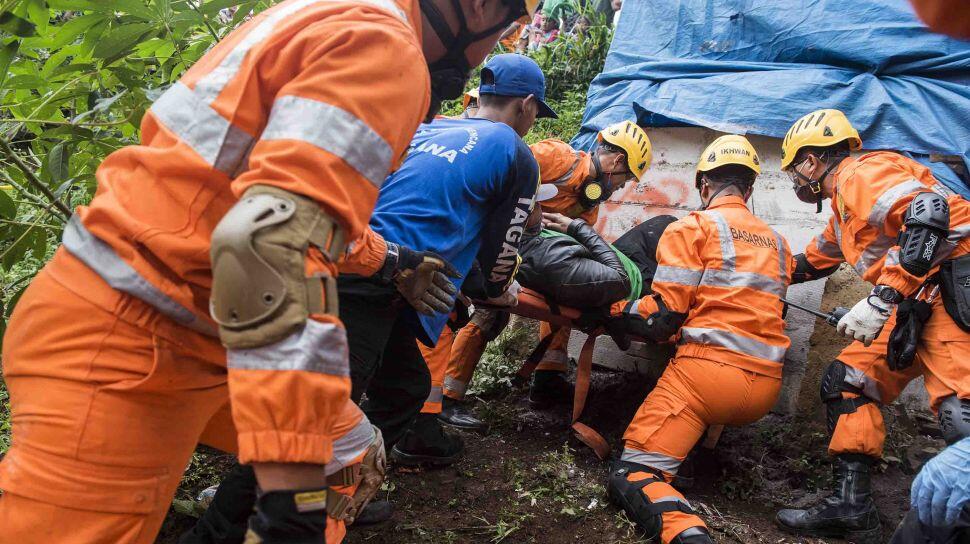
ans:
(721, 272)
(901, 230)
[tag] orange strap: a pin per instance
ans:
(532, 361)
(584, 369)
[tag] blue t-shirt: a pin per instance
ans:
(463, 192)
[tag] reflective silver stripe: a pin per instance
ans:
(751, 280)
(555, 356)
(102, 259)
(659, 461)
(858, 379)
(633, 308)
(436, 395)
(318, 347)
(827, 248)
(942, 190)
(885, 202)
(958, 233)
(350, 446)
(221, 144)
(569, 173)
(673, 498)
(892, 257)
(837, 228)
(782, 259)
(731, 341)
(677, 274)
(455, 386)
(211, 84)
(873, 252)
(728, 254)
(691, 531)
(333, 130)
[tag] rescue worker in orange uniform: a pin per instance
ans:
(583, 181)
(255, 171)
(720, 275)
(909, 235)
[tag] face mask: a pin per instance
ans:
(811, 192)
(449, 74)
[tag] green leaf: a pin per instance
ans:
(16, 298)
(70, 30)
(7, 54)
(215, 6)
(26, 81)
(39, 246)
(38, 14)
(120, 40)
(8, 208)
(18, 248)
(56, 164)
(16, 25)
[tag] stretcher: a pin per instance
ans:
(535, 306)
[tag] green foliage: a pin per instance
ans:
(76, 77)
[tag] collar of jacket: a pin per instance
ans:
(841, 175)
(727, 201)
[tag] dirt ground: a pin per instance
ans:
(528, 480)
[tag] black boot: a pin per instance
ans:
(694, 535)
(224, 522)
(425, 442)
(849, 513)
(549, 387)
(455, 413)
(375, 512)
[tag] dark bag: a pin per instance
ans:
(911, 316)
(955, 287)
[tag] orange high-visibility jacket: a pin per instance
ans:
(567, 169)
(726, 269)
(318, 97)
(872, 194)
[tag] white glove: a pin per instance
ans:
(865, 319)
(509, 298)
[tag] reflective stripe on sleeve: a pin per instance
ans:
(828, 248)
(872, 253)
(633, 307)
(333, 130)
(782, 259)
(859, 380)
(569, 173)
(102, 259)
(318, 347)
(678, 275)
(455, 386)
(880, 210)
(734, 342)
(942, 190)
(728, 255)
(659, 461)
(350, 446)
(221, 144)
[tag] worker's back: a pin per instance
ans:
(729, 270)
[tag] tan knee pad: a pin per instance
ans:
(260, 292)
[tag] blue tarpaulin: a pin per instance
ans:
(753, 67)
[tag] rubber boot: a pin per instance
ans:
(549, 387)
(849, 513)
(375, 512)
(694, 535)
(455, 413)
(426, 443)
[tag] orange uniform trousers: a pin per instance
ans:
(556, 356)
(467, 349)
(108, 400)
(942, 358)
(437, 359)
(692, 394)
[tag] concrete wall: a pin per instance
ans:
(669, 189)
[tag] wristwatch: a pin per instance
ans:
(887, 294)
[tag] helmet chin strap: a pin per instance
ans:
(815, 185)
(717, 192)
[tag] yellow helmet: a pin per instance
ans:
(728, 149)
(465, 100)
(821, 128)
(633, 141)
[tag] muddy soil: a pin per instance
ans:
(528, 480)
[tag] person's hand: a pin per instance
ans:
(865, 319)
(422, 278)
(942, 488)
(509, 298)
(555, 221)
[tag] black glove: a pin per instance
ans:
(804, 271)
(911, 316)
(290, 517)
(421, 277)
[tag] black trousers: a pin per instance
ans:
(385, 362)
(912, 531)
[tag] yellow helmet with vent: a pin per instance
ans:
(633, 140)
(728, 149)
(821, 128)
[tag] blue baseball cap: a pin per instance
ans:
(516, 75)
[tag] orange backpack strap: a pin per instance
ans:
(584, 369)
(532, 361)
